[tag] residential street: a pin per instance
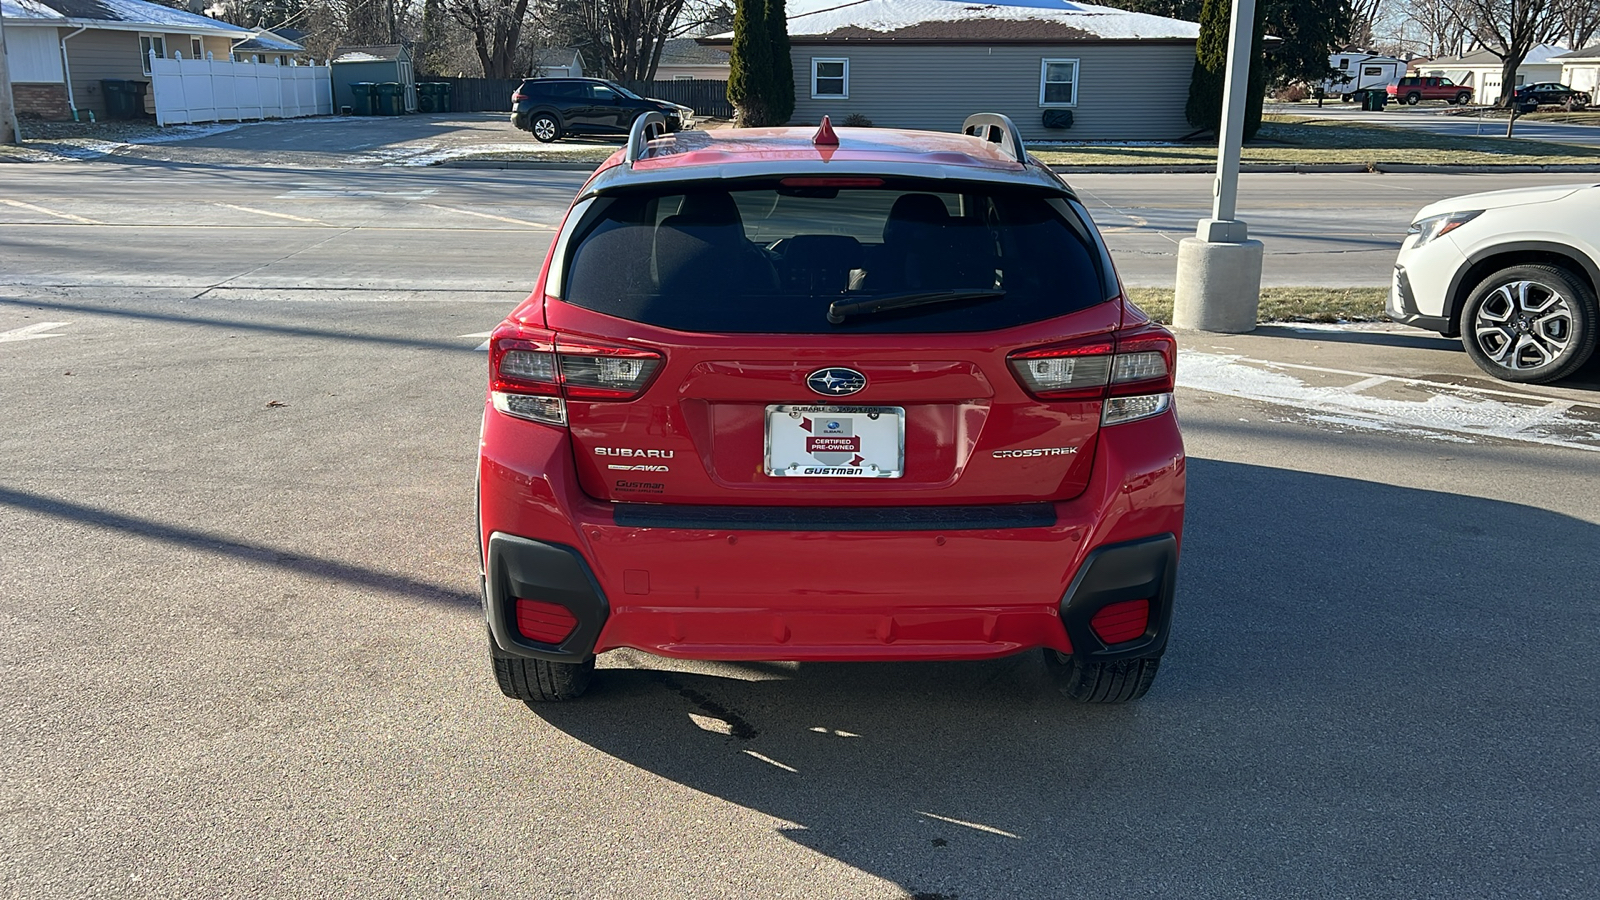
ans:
(266, 228)
(1437, 118)
(243, 654)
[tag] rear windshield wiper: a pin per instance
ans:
(839, 310)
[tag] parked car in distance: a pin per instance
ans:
(1414, 89)
(551, 108)
(1512, 273)
(860, 395)
(1549, 92)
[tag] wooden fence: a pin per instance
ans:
(706, 98)
(214, 90)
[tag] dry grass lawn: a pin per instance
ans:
(1286, 304)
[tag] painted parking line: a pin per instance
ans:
(316, 192)
(50, 212)
(275, 215)
(481, 215)
(32, 332)
(483, 347)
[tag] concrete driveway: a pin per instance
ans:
(1437, 119)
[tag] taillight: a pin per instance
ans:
(1132, 372)
(518, 97)
(532, 375)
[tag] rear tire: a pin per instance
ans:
(1413, 98)
(1530, 324)
(545, 128)
(539, 681)
(1118, 681)
(1463, 98)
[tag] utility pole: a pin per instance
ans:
(1219, 269)
(9, 133)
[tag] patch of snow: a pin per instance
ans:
(27, 9)
(820, 17)
(94, 148)
(1451, 410)
(432, 154)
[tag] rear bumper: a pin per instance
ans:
(829, 584)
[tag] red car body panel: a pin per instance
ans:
(714, 593)
(831, 596)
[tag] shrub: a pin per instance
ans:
(857, 120)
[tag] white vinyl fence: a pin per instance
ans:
(213, 90)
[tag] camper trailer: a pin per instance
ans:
(1361, 72)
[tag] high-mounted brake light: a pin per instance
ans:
(1132, 372)
(532, 375)
(815, 181)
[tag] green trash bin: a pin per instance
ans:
(364, 93)
(447, 94)
(427, 97)
(390, 101)
(124, 99)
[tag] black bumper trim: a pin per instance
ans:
(534, 570)
(1135, 570)
(1407, 314)
(834, 518)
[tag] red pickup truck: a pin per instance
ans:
(1414, 89)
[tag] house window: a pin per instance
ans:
(830, 79)
(197, 50)
(151, 43)
(1058, 82)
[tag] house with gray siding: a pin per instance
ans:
(61, 51)
(1060, 70)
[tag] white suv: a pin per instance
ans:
(1513, 273)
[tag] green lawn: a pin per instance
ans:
(1286, 304)
(1295, 140)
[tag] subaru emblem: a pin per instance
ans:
(836, 382)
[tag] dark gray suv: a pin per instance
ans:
(551, 108)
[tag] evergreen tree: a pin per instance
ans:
(1211, 70)
(750, 63)
(781, 101)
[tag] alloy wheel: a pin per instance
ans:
(1523, 325)
(544, 128)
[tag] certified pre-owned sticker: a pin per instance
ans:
(1037, 451)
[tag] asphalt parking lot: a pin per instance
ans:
(243, 654)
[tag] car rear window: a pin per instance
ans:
(773, 257)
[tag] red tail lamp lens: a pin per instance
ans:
(547, 623)
(1122, 622)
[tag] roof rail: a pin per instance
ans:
(646, 128)
(997, 129)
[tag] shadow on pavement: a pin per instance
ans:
(299, 331)
(1414, 341)
(1371, 691)
(256, 554)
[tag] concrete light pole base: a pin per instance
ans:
(1219, 286)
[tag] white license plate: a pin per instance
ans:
(836, 441)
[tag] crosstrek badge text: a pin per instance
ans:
(1037, 451)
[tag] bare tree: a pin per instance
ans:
(1444, 25)
(496, 30)
(1574, 23)
(623, 38)
(1363, 17)
(1510, 29)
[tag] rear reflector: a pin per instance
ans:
(1121, 622)
(547, 623)
(1131, 409)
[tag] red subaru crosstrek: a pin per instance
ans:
(856, 395)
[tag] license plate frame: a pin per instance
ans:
(791, 450)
